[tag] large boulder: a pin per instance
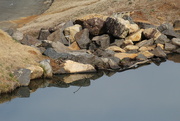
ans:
(71, 31)
(102, 41)
(82, 39)
(95, 26)
(74, 67)
(120, 28)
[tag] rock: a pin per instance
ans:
(165, 26)
(160, 45)
(23, 76)
(17, 35)
(43, 34)
(59, 47)
(145, 43)
(136, 36)
(147, 54)
(151, 33)
(176, 41)
(50, 52)
(29, 40)
(71, 31)
(93, 46)
(82, 38)
(162, 39)
(111, 63)
(144, 25)
(104, 53)
(36, 72)
(116, 28)
(131, 47)
(116, 49)
(117, 42)
(147, 48)
(75, 67)
(125, 55)
(45, 64)
(158, 51)
(141, 57)
(128, 42)
(58, 36)
(170, 47)
(103, 41)
(74, 46)
(95, 26)
(171, 34)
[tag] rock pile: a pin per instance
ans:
(98, 42)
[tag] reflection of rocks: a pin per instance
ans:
(174, 57)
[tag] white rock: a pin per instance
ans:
(45, 64)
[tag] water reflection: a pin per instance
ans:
(67, 80)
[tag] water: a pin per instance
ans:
(13, 9)
(150, 93)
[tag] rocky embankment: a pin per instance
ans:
(98, 42)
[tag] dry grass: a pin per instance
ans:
(13, 55)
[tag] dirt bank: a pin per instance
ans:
(154, 11)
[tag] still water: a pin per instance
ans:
(149, 93)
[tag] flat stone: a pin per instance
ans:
(147, 48)
(125, 55)
(117, 42)
(136, 36)
(176, 41)
(165, 26)
(171, 34)
(116, 49)
(170, 47)
(131, 47)
(75, 67)
(141, 57)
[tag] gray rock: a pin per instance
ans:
(141, 57)
(114, 63)
(82, 38)
(158, 51)
(143, 25)
(59, 47)
(176, 41)
(178, 50)
(170, 47)
(23, 92)
(115, 28)
(43, 34)
(104, 53)
(126, 17)
(117, 42)
(103, 41)
(23, 76)
(165, 26)
(31, 41)
(171, 34)
(45, 64)
(162, 39)
(176, 24)
(151, 33)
